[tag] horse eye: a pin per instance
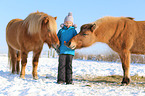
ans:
(48, 30)
(85, 34)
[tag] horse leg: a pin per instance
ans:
(13, 57)
(18, 61)
(125, 58)
(23, 63)
(35, 64)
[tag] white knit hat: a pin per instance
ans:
(69, 17)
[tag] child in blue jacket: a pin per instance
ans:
(66, 54)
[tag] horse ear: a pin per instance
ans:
(55, 18)
(93, 27)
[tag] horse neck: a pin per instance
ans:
(104, 33)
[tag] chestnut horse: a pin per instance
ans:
(122, 34)
(27, 35)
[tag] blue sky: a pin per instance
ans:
(84, 11)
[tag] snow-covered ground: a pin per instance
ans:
(12, 85)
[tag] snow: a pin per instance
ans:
(13, 85)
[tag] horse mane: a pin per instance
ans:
(109, 18)
(34, 22)
(130, 18)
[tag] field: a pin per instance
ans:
(91, 78)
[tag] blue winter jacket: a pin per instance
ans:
(65, 34)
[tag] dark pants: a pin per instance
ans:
(65, 68)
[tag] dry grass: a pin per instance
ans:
(112, 80)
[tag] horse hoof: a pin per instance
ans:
(125, 81)
(35, 77)
(18, 72)
(21, 76)
(14, 72)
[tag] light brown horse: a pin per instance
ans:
(27, 35)
(122, 34)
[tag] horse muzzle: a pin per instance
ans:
(70, 45)
(55, 46)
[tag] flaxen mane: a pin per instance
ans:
(34, 22)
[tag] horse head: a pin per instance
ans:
(85, 38)
(48, 32)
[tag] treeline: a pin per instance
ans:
(111, 58)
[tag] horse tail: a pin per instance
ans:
(9, 60)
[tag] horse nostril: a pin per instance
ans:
(69, 43)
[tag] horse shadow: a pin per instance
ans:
(97, 81)
(113, 82)
(49, 78)
(28, 77)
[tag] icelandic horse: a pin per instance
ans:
(23, 36)
(123, 34)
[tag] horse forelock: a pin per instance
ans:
(34, 22)
(52, 25)
(86, 26)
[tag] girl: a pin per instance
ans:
(66, 54)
